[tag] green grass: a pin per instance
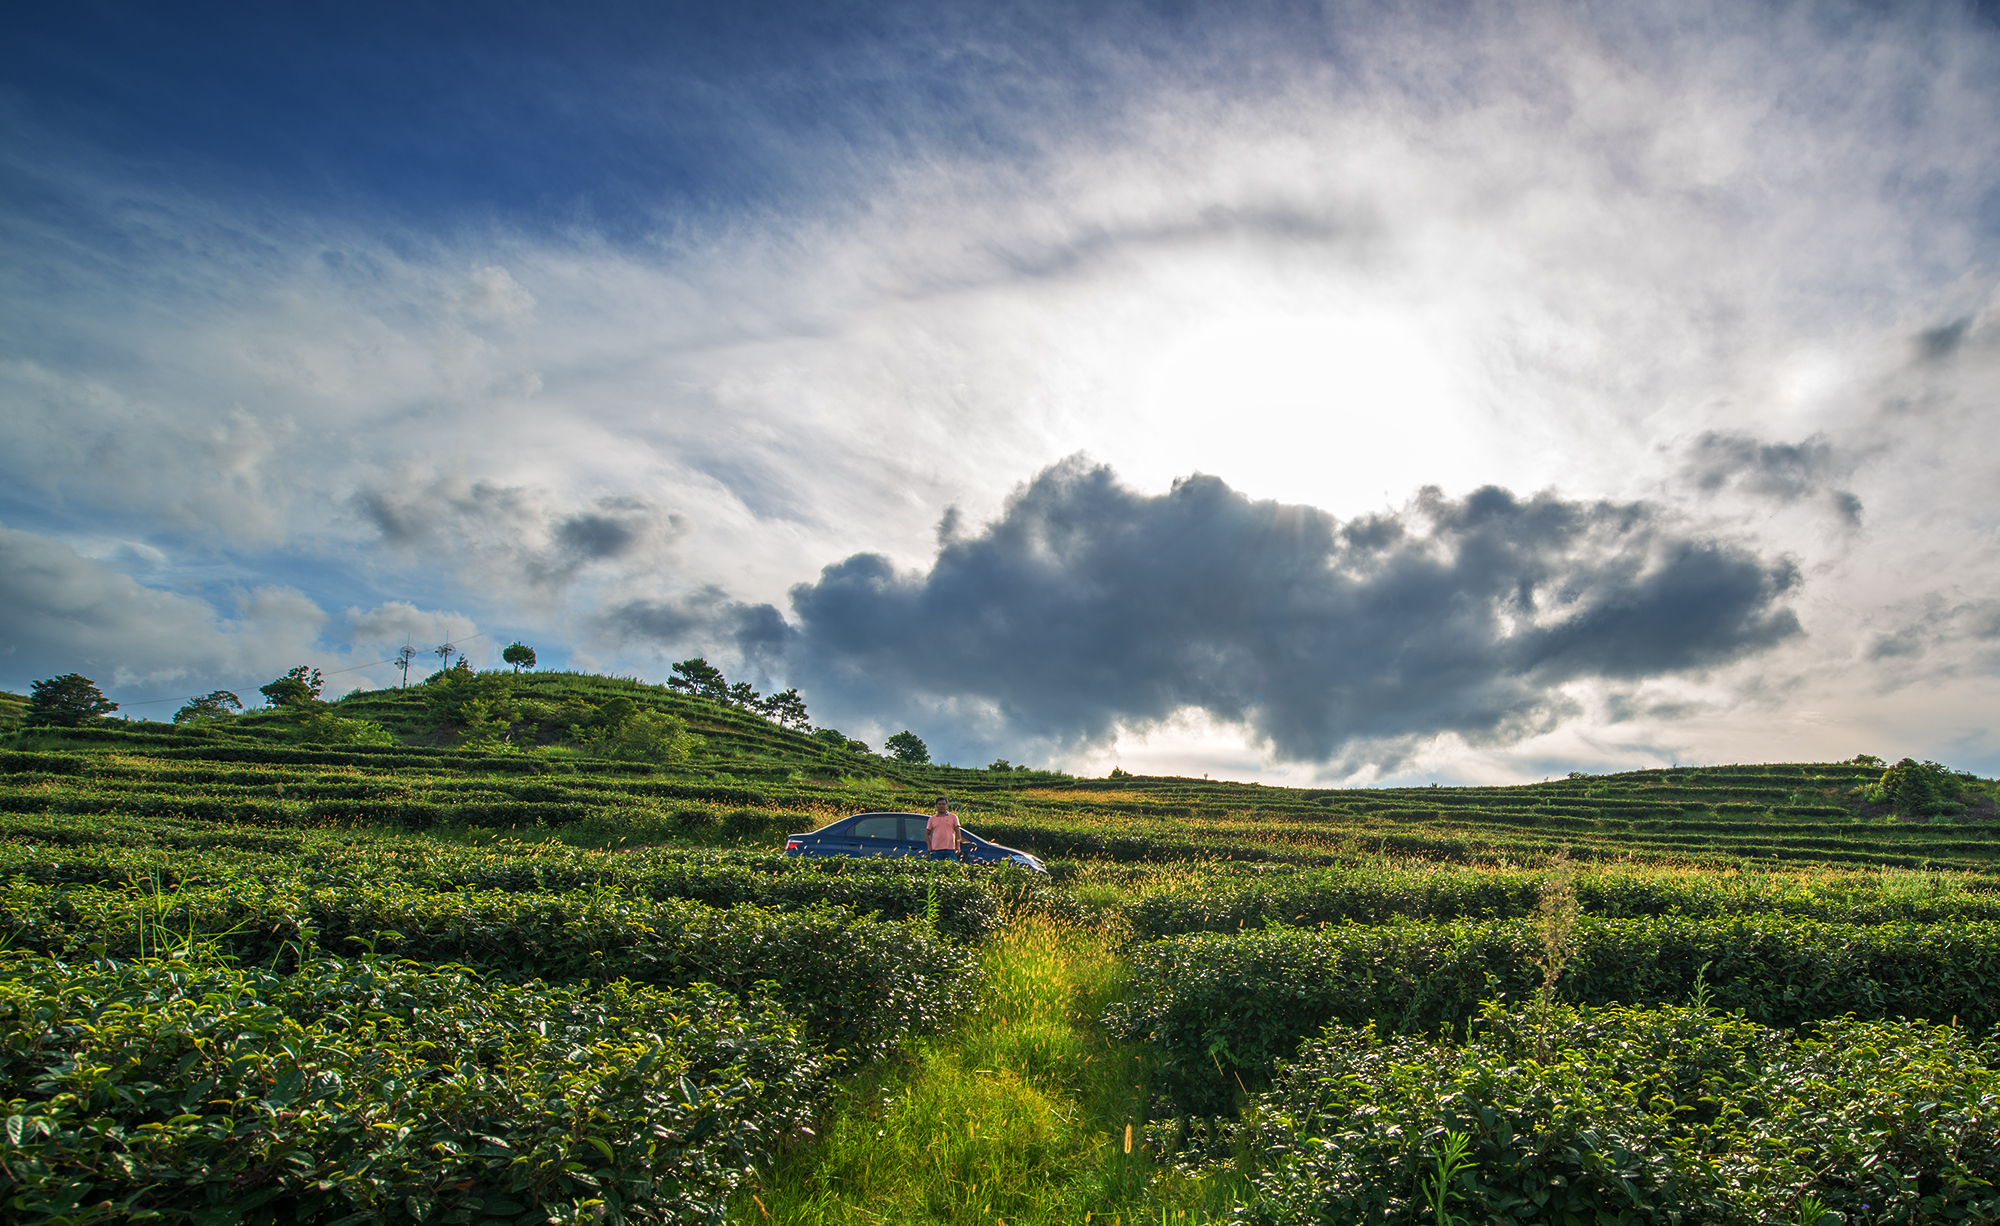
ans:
(1021, 1116)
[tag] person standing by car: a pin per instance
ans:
(943, 834)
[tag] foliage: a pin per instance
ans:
(787, 710)
(860, 984)
(299, 687)
(1918, 789)
(621, 730)
(907, 747)
(1379, 893)
(216, 704)
(518, 654)
(328, 729)
(480, 706)
(1668, 1114)
(67, 701)
(701, 679)
(742, 695)
(1217, 1008)
(968, 901)
(165, 1090)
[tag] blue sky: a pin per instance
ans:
(1288, 391)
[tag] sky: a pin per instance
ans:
(1313, 394)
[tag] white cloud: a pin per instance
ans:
(61, 612)
(1533, 246)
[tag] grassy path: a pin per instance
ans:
(1018, 1118)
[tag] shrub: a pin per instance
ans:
(324, 729)
(214, 705)
(480, 706)
(1220, 1008)
(622, 729)
(382, 1090)
(1641, 1115)
(860, 984)
(1377, 895)
(1918, 789)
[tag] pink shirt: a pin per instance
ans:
(943, 829)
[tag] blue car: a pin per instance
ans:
(897, 834)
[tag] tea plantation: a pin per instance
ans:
(480, 951)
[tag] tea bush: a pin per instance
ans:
(1376, 895)
(861, 985)
(1221, 1011)
(1629, 1115)
(382, 1091)
(965, 904)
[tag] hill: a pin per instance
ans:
(476, 953)
(432, 774)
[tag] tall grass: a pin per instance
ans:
(1021, 1117)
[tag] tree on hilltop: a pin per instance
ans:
(906, 746)
(788, 710)
(216, 704)
(65, 702)
(701, 679)
(299, 687)
(743, 696)
(519, 654)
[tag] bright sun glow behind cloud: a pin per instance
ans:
(1330, 409)
(1738, 264)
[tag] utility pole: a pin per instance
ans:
(445, 651)
(403, 658)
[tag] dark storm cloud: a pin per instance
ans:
(1785, 472)
(1087, 605)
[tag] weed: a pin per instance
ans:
(1555, 930)
(1437, 1194)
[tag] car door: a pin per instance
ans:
(879, 834)
(835, 840)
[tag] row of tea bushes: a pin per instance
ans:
(1220, 1011)
(963, 904)
(382, 1091)
(860, 984)
(1376, 895)
(1627, 1116)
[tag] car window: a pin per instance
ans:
(888, 827)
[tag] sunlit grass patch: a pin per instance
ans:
(1020, 1117)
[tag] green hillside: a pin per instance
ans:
(520, 949)
(432, 777)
